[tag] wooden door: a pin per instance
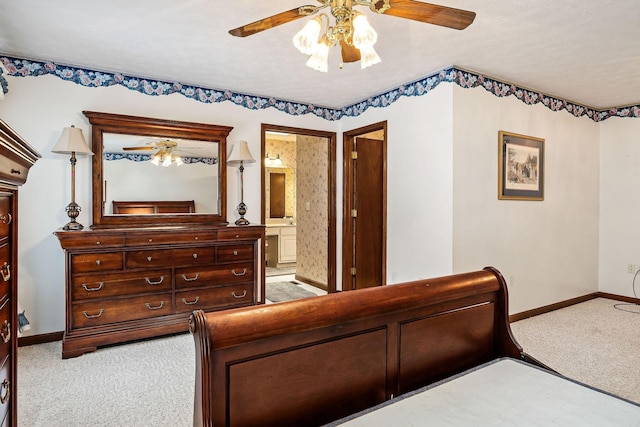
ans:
(364, 238)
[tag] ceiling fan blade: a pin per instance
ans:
(349, 53)
(146, 147)
(457, 19)
(270, 22)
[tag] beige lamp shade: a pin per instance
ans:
(72, 141)
(240, 153)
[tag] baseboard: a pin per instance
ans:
(40, 338)
(570, 302)
(552, 307)
(311, 282)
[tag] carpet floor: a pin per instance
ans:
(151, 383)
(593, 342)
(286, 291)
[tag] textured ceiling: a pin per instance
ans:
(585, 51)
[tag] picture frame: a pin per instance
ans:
(520, 167)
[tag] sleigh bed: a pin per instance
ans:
(321, 360)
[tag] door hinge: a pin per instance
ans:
(354, 213)
(353, 271)
(354, 155)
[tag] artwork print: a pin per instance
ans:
(521, 167)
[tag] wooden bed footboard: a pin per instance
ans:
(312, 361)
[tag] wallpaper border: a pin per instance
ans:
(464, 78)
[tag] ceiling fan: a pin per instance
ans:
(163, 155)
(355, 44)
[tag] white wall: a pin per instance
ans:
(547, 250)
(619, 205)
(419, 183)
(443, 212)
(38, 108)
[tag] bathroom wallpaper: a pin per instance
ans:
(312, 198)
(287, 152)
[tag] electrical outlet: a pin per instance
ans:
(631, 268)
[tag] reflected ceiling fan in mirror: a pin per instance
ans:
(351, 29)
(164, 155)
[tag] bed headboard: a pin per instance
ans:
(153, 207)
(311, 361)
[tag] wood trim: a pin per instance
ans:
(40, 338)
(312, 282)
(570, 302)
(331, 176)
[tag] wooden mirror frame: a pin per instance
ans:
(131, 125)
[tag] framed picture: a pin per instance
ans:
(520, 167)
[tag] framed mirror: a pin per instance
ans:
(151, 172)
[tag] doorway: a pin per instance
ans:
(364, 231)
(302, 165)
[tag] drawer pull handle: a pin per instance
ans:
(244, 294)
(195, 256)
(93, 316)
(149, 282)
(150, 240)
(184, 300)
(6, 272)
(98, 242)
(6, 386)
(149, 258)
(6, 219)
(6, 331)
(190, 279)
(88, 289)
(235, 253)
(98, 262)
(154, 308)
(244, 271)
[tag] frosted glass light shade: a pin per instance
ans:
(306, 39)
(319, 60)
(368, 57)
(363, 33)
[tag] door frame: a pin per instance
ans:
(331, 202)
(347, 186)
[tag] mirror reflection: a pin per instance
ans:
(180, 173)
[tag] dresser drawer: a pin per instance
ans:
(224, 274)
(170, 257)
(84, 263)
(161, 238)
(7, 390)
(91, 240)
(6, 269)
(108, 285)
(5, 329)
(5, 216)
(235, 253)
(239, 233)
(95, 313)
(214, 298)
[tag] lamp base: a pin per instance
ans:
(242, 209)
(73, 211)
(73, 226)
(242, 221)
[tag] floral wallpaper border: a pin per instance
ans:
(147, 157)
(463, 78)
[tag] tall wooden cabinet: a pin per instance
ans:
(16, 158)
(128, 284)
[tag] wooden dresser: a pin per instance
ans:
(16, 158)
(128, 284)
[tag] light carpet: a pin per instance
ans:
(592, 342)
(286, 291)
(151, 383)
(148, 383)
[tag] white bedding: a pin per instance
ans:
(505, 392)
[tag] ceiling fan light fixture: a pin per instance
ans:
(368, 56)
(319, 59)
(306, 40)
(178, 161)
(155, 159)
(363, 32)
